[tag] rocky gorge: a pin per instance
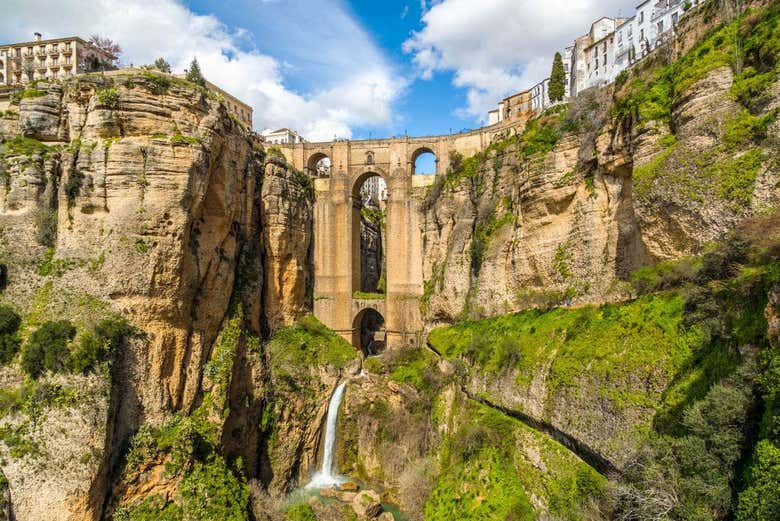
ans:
(160, 360)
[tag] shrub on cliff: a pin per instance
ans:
(96, 345)
(47, 348)
(9, 338)
(300, 512)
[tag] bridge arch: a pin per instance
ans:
(319, 165)
(424, 154)
(369, 237)
(369, 333)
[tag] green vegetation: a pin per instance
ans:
(758, 34)
(180, 139)
(108, 98)
(735, 178)
(23, 146)
(194, 75)
(486, 486)
(97, 345)
(587, 336)
(300, 512)
(159, 83)
(645, 174)
(306, 344)
(368, 295)
(415, 367)
(32, 92)
(486, 475)
(190, 447)
(162, 65)
(9, 333)
(47, 348)
(275, 152)
(557, 89)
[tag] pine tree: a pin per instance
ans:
(194, 75)
(557, 80)
(162, 65)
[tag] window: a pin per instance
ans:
(605, 60)
(641, 35)
(641, 16)
(675, 18)
(660, 27)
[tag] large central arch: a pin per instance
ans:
(369, 252)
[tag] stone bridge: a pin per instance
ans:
(337, 225)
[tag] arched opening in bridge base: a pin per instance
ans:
(368, 332)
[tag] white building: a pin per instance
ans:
(494, 116)
(585, 53)
(282, 136)
(625, 45)
(540, 95)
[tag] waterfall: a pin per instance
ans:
(326, 477)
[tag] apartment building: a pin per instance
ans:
(241, 110)
(282, 136)
(40, 59)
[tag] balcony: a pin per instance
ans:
(41, 66)
(40, 54)
(67, 51)
(54, 51)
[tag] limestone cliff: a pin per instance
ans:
(136, 194)
(653, 168)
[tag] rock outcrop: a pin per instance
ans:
(137, 194)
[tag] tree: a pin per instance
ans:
(47, 348)
(194, 75)
(557, 80)
(100, 54)
(9, 338)
(162, 65)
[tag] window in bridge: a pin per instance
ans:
(369, 248)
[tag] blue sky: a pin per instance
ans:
(340, 68)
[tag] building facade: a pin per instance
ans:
(282, 136)
(40, 59)
(235, 106)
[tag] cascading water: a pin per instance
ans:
(327, 477)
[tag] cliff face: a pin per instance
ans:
(651, 169)
(137, 194)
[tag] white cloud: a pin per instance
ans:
(499, 47)
(358, 90)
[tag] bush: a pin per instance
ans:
(664, 275)
(108, 98)
(300, 512)
(9, 338)
(98, 344)
(47, 348)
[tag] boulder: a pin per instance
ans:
(367, 504)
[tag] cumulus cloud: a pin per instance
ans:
(353, 94)
(498, 47)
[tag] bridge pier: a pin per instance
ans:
(337, 225)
